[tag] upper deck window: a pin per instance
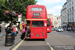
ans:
(36, 9)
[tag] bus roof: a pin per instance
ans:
(36, 5)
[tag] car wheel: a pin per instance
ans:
(61, 31)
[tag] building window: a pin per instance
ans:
(72, 14)
(68, 17)
(70, 0)
(72, 3)
(72, 19)
(67, 10)
(72, 8)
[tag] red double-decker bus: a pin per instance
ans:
(36, 17)
(48, 24)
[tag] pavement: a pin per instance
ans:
(2, 42)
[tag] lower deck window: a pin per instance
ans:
(37, 24)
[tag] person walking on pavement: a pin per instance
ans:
(74, 29)
(0, 29)
(0, 32)
(70, 29)
(14, 30)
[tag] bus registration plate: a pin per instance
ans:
(47, 28)
(37, 35)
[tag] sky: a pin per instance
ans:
(52, 6)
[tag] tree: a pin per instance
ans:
(2, 8)
(19, 6)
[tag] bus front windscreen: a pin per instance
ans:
(48, 22)
(37, 24)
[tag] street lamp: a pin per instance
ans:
(11, 3)
(11, 8)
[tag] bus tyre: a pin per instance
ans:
(43, 39)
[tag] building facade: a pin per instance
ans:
(64, 19)
(51, 16)
(68, 11)
(71, 12)
(56, 20)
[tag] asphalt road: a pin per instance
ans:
(66, 33)
(55, 41)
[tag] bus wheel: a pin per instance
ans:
(25, 39)
(48, 32)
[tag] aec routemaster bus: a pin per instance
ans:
(48, 24)
(36, 17)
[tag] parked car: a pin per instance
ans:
(55, 28)
(52, 29)
(60, 29)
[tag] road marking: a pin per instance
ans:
(18, 45)
(50, 46)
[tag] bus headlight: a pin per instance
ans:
(48, 29)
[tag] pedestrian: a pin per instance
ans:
(23, 29)
(28, 31)
(0, 33)
(65, 28)
(74, 29)
(23, 24)
(14, 30)
(71, 28)
(0, 29)
(68, 29)
(10, 29)
(20, 27)
(23, 33)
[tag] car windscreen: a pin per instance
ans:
(59, 28)
(48, 22)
